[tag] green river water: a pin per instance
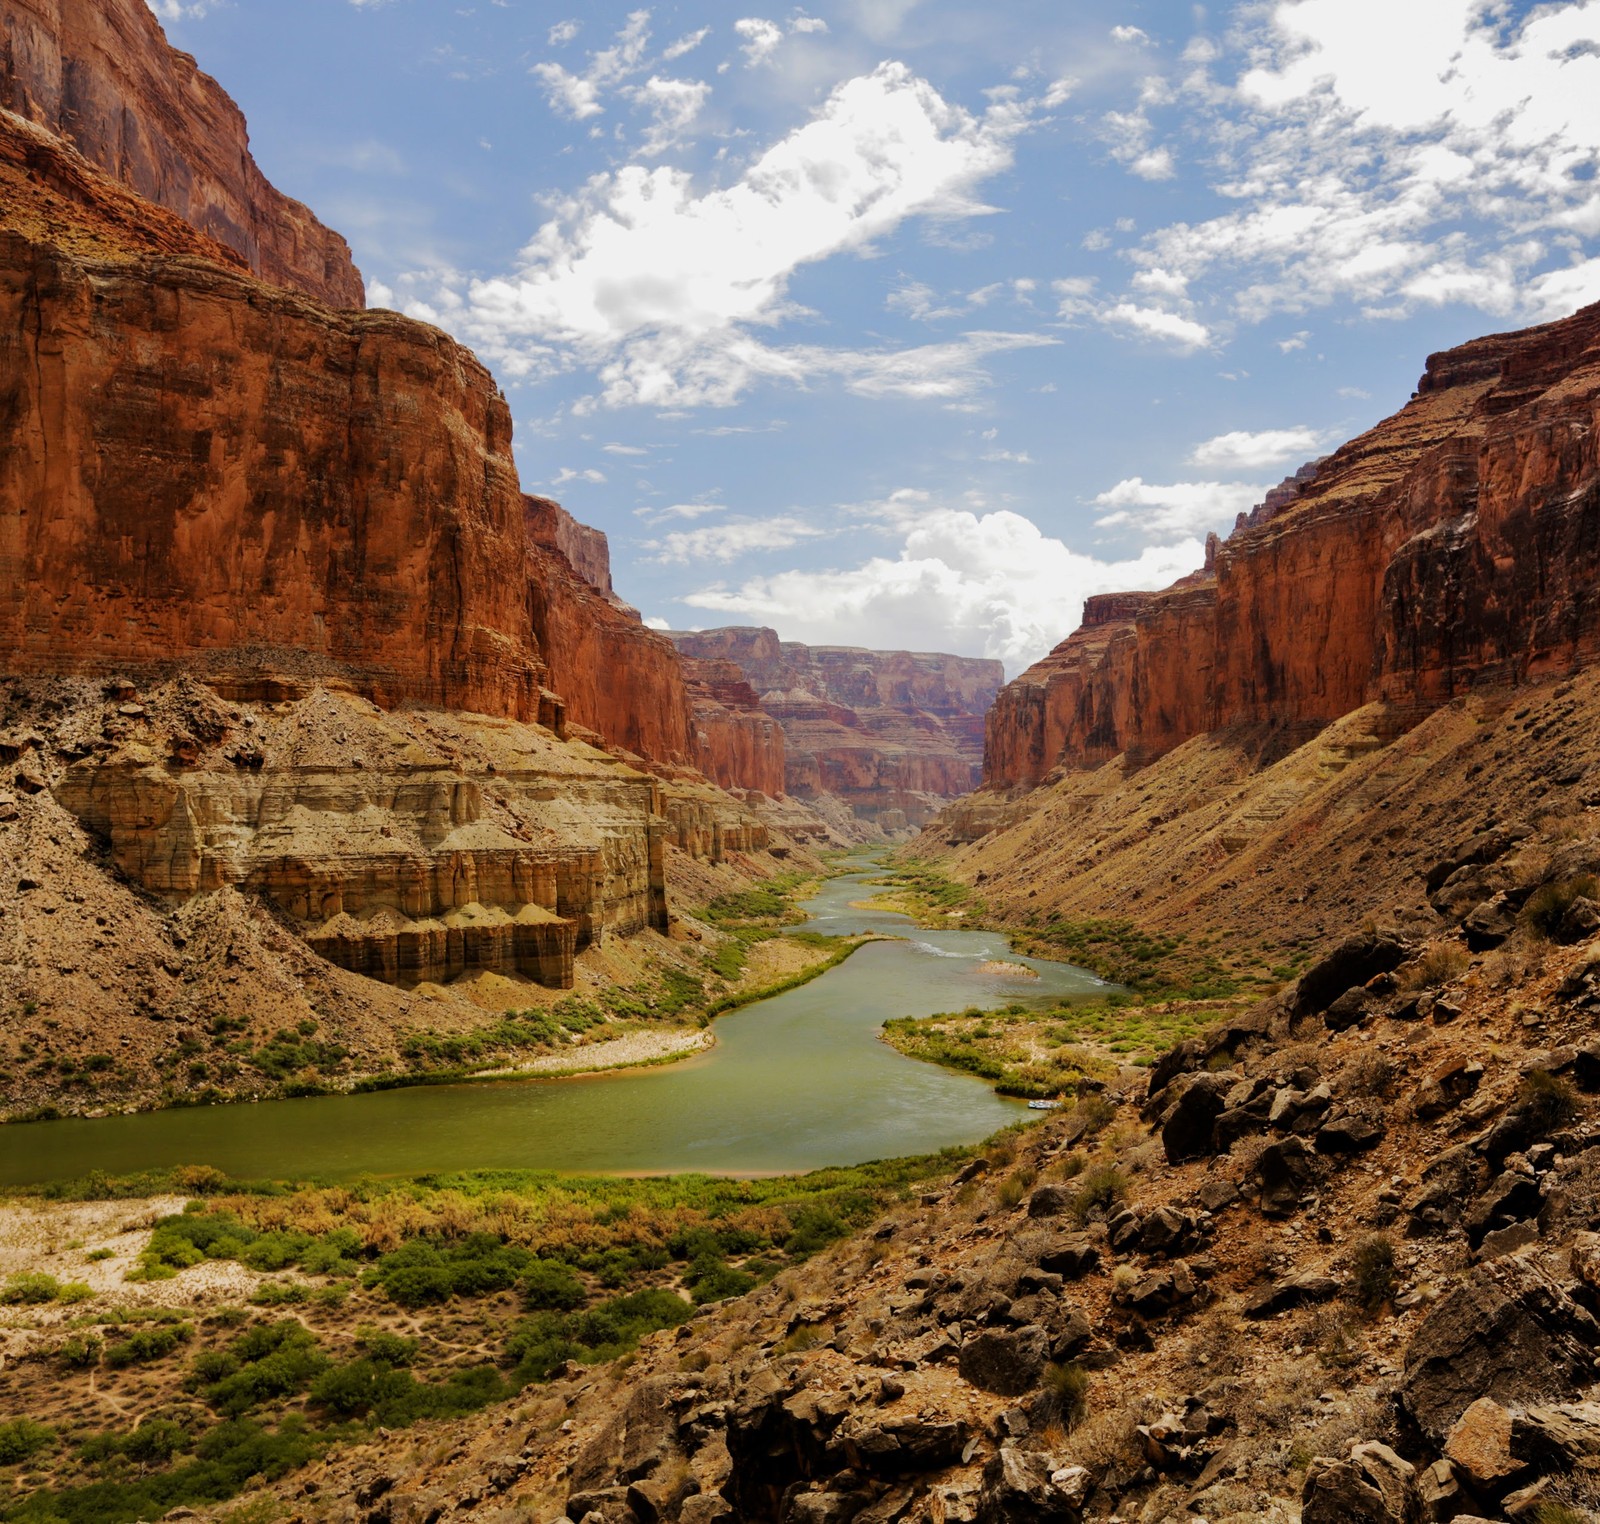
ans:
(794, 1083)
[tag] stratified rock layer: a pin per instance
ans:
(1456, 543)
(99, 74)
(892, 734)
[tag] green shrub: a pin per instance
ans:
(30, 1288)
(148, 1344)
(711, 1279)
(1101, 1186)
(270, 1361)
(280, 1294)
(21, 1439)
(81, 1351)
(1066, 1391)
(549, 1284)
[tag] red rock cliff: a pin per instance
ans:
(100, 74)
(629, 683)
(890, 733)
(196, 465)
(1455, 543)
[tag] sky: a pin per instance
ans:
(913, 323)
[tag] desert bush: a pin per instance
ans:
(1436, 967)
(1549, 903)
(21, 1439)
(30, 1288)
(1546, 1101)
(1066, 1394)
(1371, 1073)
(1372, 1272)
(1101, 1186)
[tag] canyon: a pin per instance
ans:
(880, 737)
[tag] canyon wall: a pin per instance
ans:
(100, 75)
(195, 465)
(890, 734)
(274, 611)
(1456, 543)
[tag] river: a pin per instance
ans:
(794, 1083)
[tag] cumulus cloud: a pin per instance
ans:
(675, 104)
(562, 33)
(1177, 508)
(987, 584)
(186, 10)
(761, 39)
(567, 474)
(1130, 34)
(660, 288)
(1243, 451)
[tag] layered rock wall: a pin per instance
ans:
(100, 74)
(893, 734)
(194, 466)
(1456, 543)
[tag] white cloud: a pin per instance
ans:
(567, 474)
(1446, 166)
(1154, 164)
(804, 23)
(1157, 323)
(990, 584)
(562, 33)
(1294, 341)
(685, 44)
(656, 622)
(578, 95)
(622, 449)
(184, 10)
(1241, 451)
(732, 539)
(675, 104)
(1178, 508)
(658, 288)
(761, 39)
(1133, 34)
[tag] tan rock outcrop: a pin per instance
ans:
(100, 74)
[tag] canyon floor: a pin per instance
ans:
(1316, 1238)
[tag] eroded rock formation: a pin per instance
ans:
(892, 735)
(100, 75)
(1455, 544)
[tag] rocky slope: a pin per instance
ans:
(889, 735)
(100, 75)
(1452, 546)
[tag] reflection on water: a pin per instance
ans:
(795, 1082)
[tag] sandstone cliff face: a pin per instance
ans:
(1456, 543)
(193, 465)
(893, 734)
(100, 74)
(628, 683)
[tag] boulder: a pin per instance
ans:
(1374, 1486)
(1051, 1201)
(1446, 1086)
(1489, 924)
(1506, 1330)
(1019, 1488)
(1167, 1231)
(1479, 1445)
(1349, 1010)
(1295, 1291)
(1349, 1135)
(1510, 1198)
(1070, 1257)
(1351, 964)
(1187, 1132)
(898, 1446)
(1007, 1362)
(1580, 922)
(1559, 1437)
(1284, 1173)
(1439, 1493)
